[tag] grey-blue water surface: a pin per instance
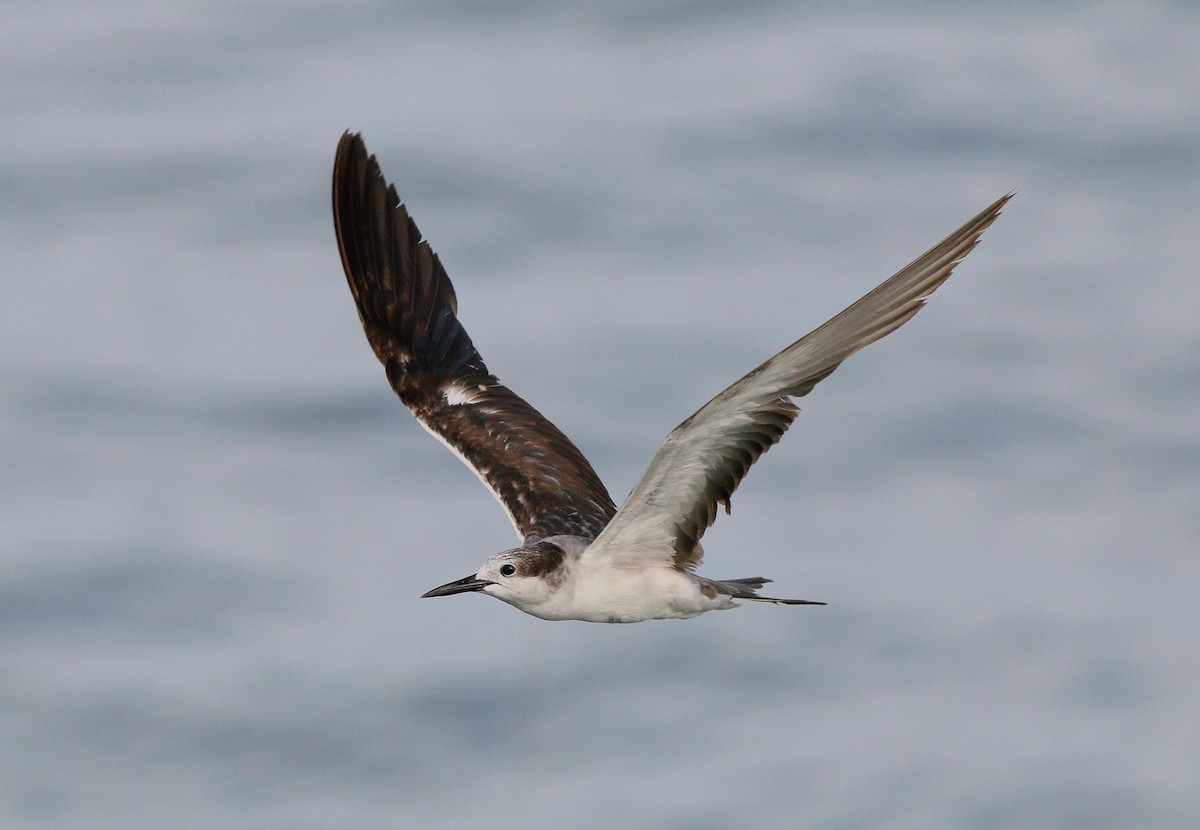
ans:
(216, 519)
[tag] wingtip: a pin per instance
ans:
(998, 206)
(347, 141)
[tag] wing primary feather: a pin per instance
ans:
(408, 310)
(702, 462)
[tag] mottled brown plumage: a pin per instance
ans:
(581, 558)
(407, 306)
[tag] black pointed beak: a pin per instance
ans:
(458, 586)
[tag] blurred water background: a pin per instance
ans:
(215, 518)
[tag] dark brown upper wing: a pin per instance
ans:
(407, 307)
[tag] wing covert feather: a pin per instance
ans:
(409, 310)
(702, 462)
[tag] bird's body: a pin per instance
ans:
(581, 558)
(563, 583)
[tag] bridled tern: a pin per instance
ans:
(580, 557)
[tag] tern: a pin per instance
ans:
(581, 558)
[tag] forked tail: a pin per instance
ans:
(748, 589)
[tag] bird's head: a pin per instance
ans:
(525, 577)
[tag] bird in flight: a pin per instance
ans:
(580, 557)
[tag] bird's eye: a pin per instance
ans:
(508, 570)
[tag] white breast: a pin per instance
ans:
(598, 592)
